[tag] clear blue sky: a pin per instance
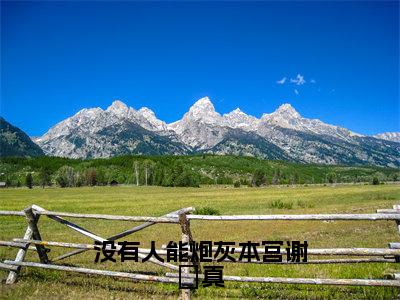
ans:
(57, 58)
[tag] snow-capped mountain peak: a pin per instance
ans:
(203, 105)
(195, 128)
(203, 102)
(238, 119)
(118, 107)
(88, 112)
(203, 110)
(285, 116)
(147, 112)
(287, 110)
(150, 116)
(236, 112)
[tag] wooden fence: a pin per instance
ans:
(32, 240)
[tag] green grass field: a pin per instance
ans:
(156, 201)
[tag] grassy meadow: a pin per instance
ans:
(156, 201)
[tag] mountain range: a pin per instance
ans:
(283, 134)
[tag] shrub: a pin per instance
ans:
(207, 210)
(280, 204)
(375, 180)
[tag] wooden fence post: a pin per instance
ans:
(396, 257)
(33, 219)
(12, 276)
(186, 238)
(393, 245)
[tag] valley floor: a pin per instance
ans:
(156, 201)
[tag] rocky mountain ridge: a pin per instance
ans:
(283, 134)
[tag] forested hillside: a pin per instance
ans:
(15, 142)
(181, 171)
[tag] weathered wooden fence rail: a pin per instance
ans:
(32, 240)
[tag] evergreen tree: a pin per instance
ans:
(395, 177)
(158, 174)
(29, 180)
(331, 177)
(186, 179)
(45, 178)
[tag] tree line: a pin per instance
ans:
(180, 171)
(147, 173)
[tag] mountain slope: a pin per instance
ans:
(309, 147)
(242, 143)
(14, 142)
(116, 139)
